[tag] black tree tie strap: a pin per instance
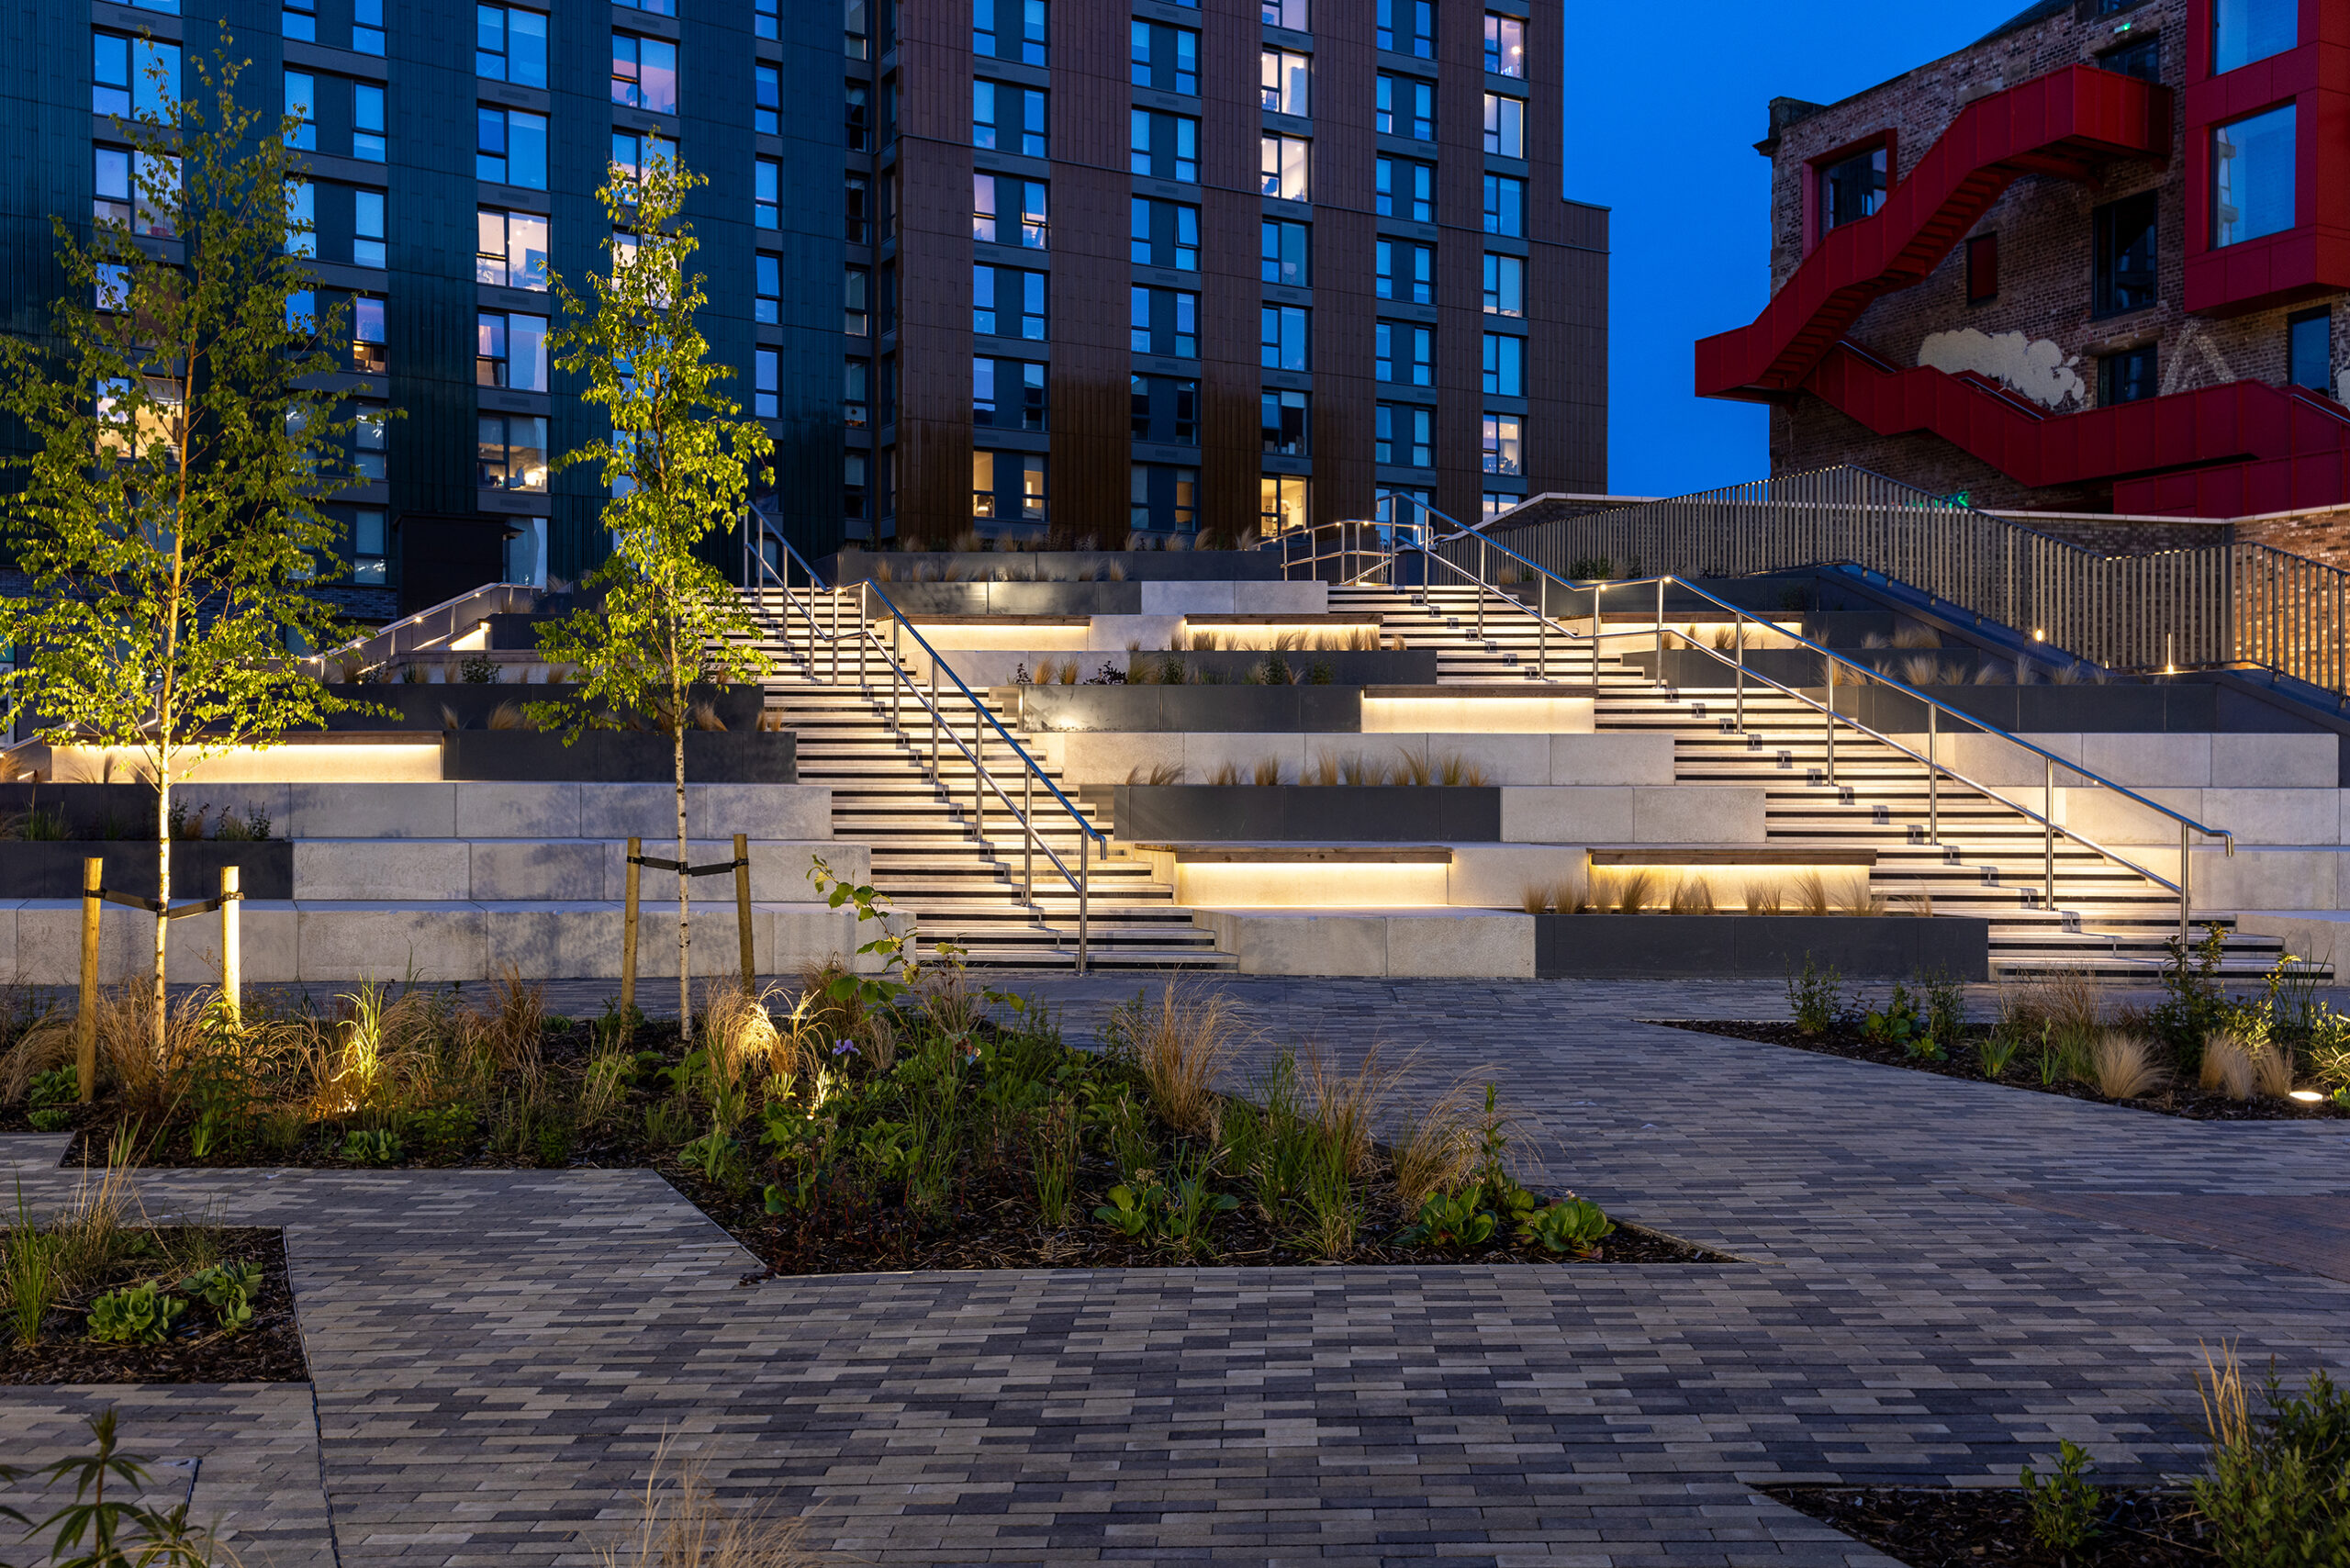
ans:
(714, 870)
(154, 906)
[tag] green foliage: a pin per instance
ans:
(1816, 997)
(2063, 1505)
(1900, 1023)
(142, 1314)
(1997, 1050)
(2278, 1494)
(478, 669)
(2193, 1005)
(1945, 1013)
(31, 1271)
(1589, 569)
(50, 1096)
(1177, 1211)
(371, 1145)
(97, 1531)
(1570, 1224)
(1052, 1159)
(1451, 1220)
(227, 1291)
(172, 523)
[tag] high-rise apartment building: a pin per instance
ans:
(1001, 265)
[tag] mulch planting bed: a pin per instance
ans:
(1976, 1527)
(266, 1349)
(1846, 1040)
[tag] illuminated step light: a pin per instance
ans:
(2308, 1096)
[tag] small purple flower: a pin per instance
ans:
(845, 1049)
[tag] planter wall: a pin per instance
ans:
(1387, 666)
(1759, 946)
(518, 633)
(53, 871)
(419, 707)
(605, 756)
(1222, 709)
(1140, 566)
(2026, 709)
(1306, 813)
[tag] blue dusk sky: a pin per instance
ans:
(1663, 107)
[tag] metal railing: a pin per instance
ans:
(2209, 605)
(441, 623)
(764, 568)
(1422, 538)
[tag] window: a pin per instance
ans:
(1851, 188)
(367, 229)
(2246, 31)
(644, 74)
(141, 191)
(510, 351)
(299, 19)
(765, 384)
(1280, 337)
(367, 533)
(1164, 58)
(2142, 58)
(370, 443)
(1289, 14)
(1008, 394)
(1505, 45)
(1406, 107)
(512, 249)
(856, 392)
(2123, 272)
(1008, 486)
(1008, 118)
(766, 289)
(1283, 77)
(1008, 211)
(767, 102)
(1285, 248)
(1163, 498)
(1982, 269)
(368, 27)
(1403, 351)
(301, 217)
(133, 76)
(1496, 502)
(510, 147)
(1281, 419)
(2252, 177)
(111, 290)
(2127, 376)
(1166, 410)
(1505, 205)
(1404, 436)
(1164, 146)
(1280, 503)
(1021, 36)
(652, 8)
(1406, 271)
(511, 452)
(1163, 322)
(1504, 444)
(510, 45)
(631, 152)
(1408, 27)
(767, 193)
(1008, 302)
(1283, 159)
(856, 310)
(2309, 350)
(1505, 364)
(1403, 188)
(367, 122)
(1164, 234)
(857, 112)
(302, 105)
(369, 345)
(1504, 285)
(852, 472)
(856, 209)
(1505, 125)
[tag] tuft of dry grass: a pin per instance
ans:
(2124, 1065)
(1456, 770)
(2272, 1071)
(1857, 897)
(506, 716)
(683, 1523)
(737, 1029)
(1345, 1104)
(511, 1028)
(1323, 771)
(1157, 773)
(1536, 898)
(1436, 1146)
(1913, 636)
(1268, 771)
(1182, 1044)
(2227, 1068)
(2067, 1001)
(1809, 895)
(1764, 895)
(1411, 769)
(1691, 895)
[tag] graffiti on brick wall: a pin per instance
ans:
(2037, 367)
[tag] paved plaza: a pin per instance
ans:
(1937, 1280)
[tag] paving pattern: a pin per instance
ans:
(1925, 1292)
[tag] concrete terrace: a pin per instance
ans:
(1938, 1280)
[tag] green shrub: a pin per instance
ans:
(2065, 1506)
(135, 1314)
(1124, 1213)
(227, 1290)
(1816, 997)
(1900, 1023)
(1451, 1220)
(1997, 1050)
(49, 1099)
(1570, 1224)
(2278, 1494)
(371, 1145)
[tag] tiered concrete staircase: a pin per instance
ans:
(955, 864)
(1986, 860)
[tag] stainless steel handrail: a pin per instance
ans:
(863, 633)
(1935, 707)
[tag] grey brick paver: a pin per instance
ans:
(498, 1353)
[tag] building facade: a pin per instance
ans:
(2099, 262)
(994, 265)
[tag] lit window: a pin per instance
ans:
(1504, 285)
(1008, 211)
(2252, 177)
(369, 345)
(1289, 14)
(510, 351)
(1505, 125)
(510, 147)
(512, 249)
(1283, 77)
(1280, 503)
(644, 74)
(510, 45)
(1504, 444)
(1282, 162)
(1163, 498)
(1505, 45)
(511, 452)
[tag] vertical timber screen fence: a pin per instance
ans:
(2218, 604)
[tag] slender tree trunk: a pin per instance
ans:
(677, 741)
(162, 887)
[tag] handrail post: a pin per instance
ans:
(1028, 834)
(1660, 632)
(1084, 878)
(2185, 882)
(1482, 574)
(1738, 631)
(1595, 633)
(1933, 775)
(1543, 628)
(2048, 828)
(864, 619)
(835, 597)
(1830, 695)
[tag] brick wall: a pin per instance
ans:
(2044, 227)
